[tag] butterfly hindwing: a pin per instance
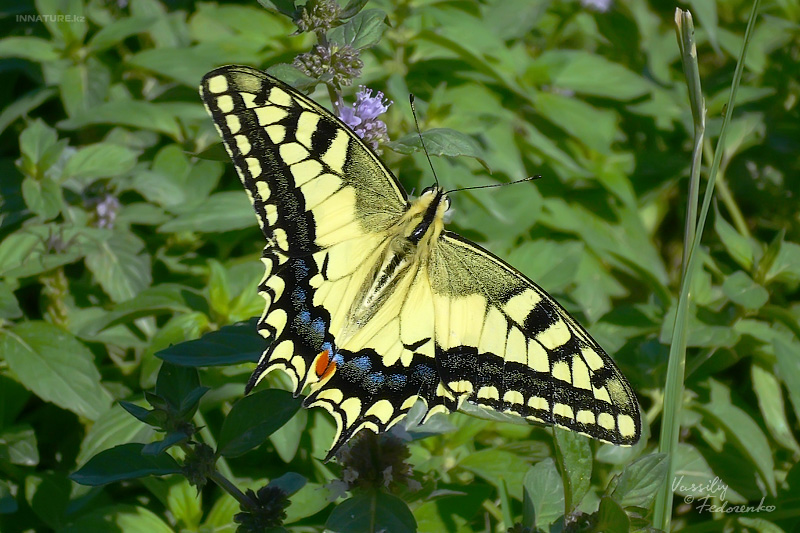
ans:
(517, 351)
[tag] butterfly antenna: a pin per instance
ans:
(493, 185)
(419, 134)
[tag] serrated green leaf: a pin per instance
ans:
(18, 446)
(442, 142)
(611, 518)
(575, 454)
(32, 48)
(101, 160)
(738, 246)
(118, 31)
(55, 366)
(543, 496)
(223, 211)
(120, 266)
(640, 481)
(744, 291)
(133, 113)
(362, 31)
(591, 74)
(43, 197)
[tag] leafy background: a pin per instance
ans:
(117, 242)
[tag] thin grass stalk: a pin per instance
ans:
(670, 427)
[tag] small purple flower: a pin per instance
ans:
(363, 119)
(598, 5)
(106, 211)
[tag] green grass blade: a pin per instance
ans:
(673, 397)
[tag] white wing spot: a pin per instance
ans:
(217, 84)
(225, 103)
(253, 166)
(233, 123)
(564, 410)
(554, 336)
(561, 371)
(292, 153)
(263, 190)
(269, 114)
(606, 421)
(305, 171)
(336, 154)
(243, 144)
(277, 133)
(306, 126)
(280, 97)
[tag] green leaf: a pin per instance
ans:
(307, 501)
(84, 86)
(125, 518)
(574, 454)
(120, 266)
(164, 298)
(24, 104)
(56, 367)
(743, 431)
(371, 512)
(180, 386)
(590, 74)
(738, 246)
(786, 267)
(640, 481)
(36, 140)
(353, 7)
(219, 291)
(788, 355)
(223, 211)
(119, 30)
(744, 291)
(32, 48)
(362, 31)
(48, 494)
(18, 446)
(770, 402)
(611, 518)
(8, 504)
(290, 482)
(9, 306)
(286, 7)
(494, 464)
(160, 446)
(254, 418)
(124, 462)
(543, 496)
(43, 197)
(101, 160)
(442, 142)
(596, 128)
(238, 343)
(114, 427)
(133, 113)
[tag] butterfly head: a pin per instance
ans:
(424, 220)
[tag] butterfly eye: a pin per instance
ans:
(446, 203)
(427, 190)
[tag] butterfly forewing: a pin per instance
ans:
(375, 321)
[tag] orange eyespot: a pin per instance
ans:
(324, 366)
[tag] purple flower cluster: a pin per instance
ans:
(363, 119)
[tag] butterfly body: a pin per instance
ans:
(375, 305)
